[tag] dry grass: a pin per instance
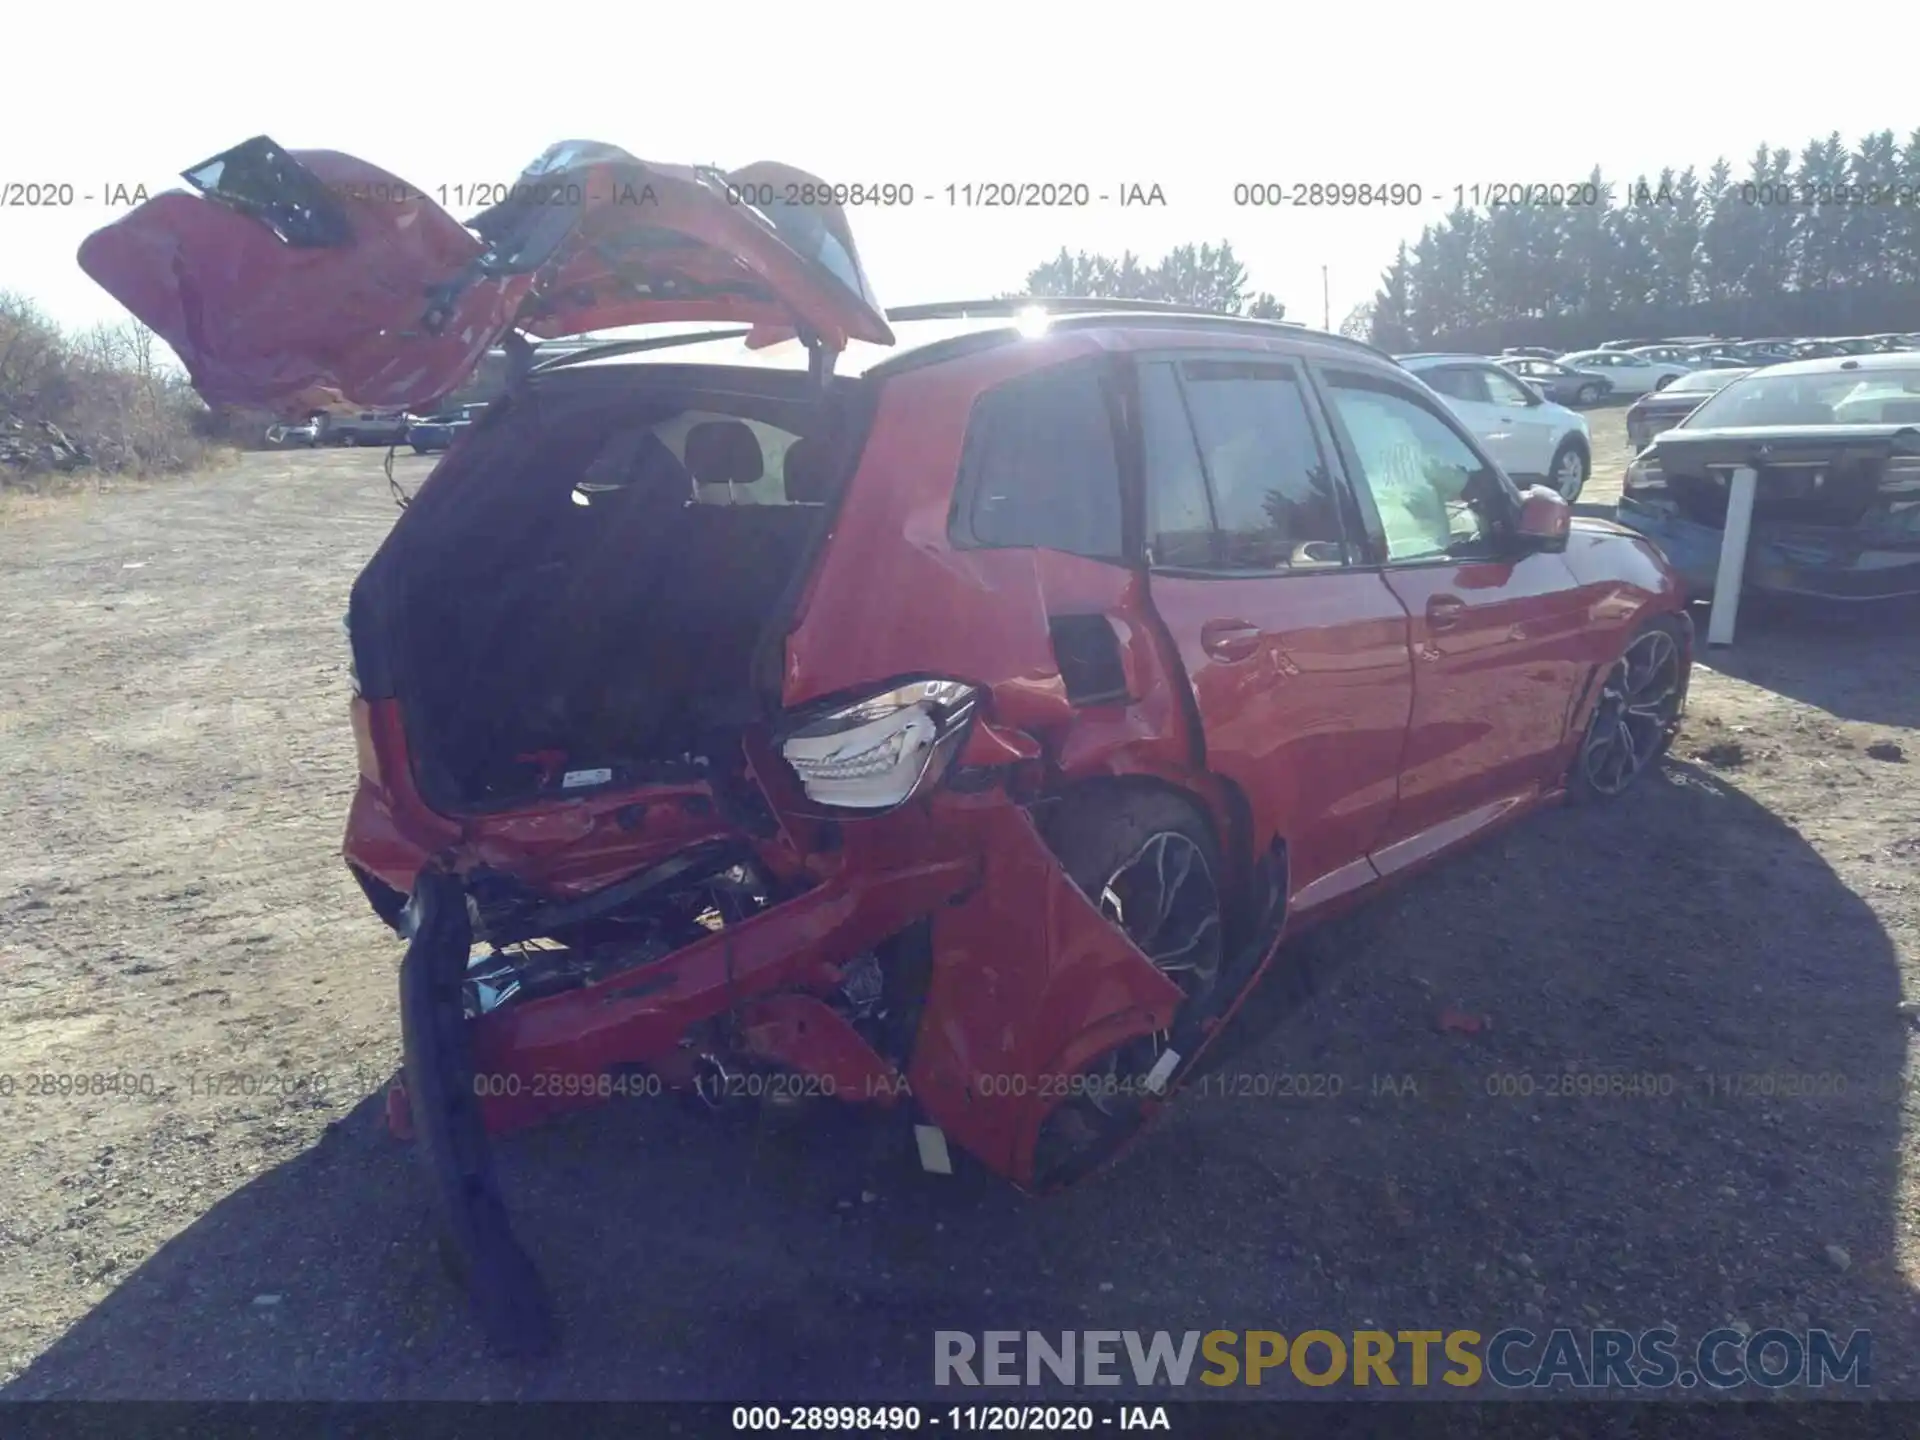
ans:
(76, 407)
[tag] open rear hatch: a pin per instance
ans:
(292, 277)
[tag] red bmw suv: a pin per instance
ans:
(946, 710)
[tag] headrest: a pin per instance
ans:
(724, 452)
(807, 470)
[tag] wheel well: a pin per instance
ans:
(1234, 840)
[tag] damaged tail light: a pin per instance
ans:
(1643, 474)
(880, 751)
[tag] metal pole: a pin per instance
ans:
(1326, 303)
(1733, 556)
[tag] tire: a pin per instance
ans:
(1569, 470)
(1117, 844)
(1663, 382)
(1587, 395)
(349, 440)
(1592, 776)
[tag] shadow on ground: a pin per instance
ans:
(1791, 648)
(1678, 936)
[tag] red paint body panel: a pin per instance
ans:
(1007, 1024)
(259, 321)
(1310, 720)
(1499, 652)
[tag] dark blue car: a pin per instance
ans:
(438, 432)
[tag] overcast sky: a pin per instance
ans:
(959, 94)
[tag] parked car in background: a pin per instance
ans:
(438, 432)
(1827, 347)
(294, 436)
(1535, 352)
(1628, 344)
(1662, 409)
(1836, 444)
(1761, 352)
(1630, 374)
(1682, 356)
(1527, 435)
(364, 427)
(1559, 383)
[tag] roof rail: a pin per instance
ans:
(1015, 305)
(1053, 304)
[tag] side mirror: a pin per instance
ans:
(1546, 520)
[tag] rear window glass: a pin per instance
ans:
(718, 459)
(1883, 397)
(1040, 467)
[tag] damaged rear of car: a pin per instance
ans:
(1835, 444)
(679, 770)
(657, 781)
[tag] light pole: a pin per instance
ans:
(1326, 302)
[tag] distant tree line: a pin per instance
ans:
(1828, 244)
(1206, 277)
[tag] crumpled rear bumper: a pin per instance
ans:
(1788, 561)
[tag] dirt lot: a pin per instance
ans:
(174, 769)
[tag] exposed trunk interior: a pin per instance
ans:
(578, 597)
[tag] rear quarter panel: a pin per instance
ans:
(892, 596)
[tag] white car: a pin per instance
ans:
(1528, 436)
(1685, 356)
(1631, 374)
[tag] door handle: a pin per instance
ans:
(1230, 640)
(1444, 612)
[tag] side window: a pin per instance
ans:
(1436, 498)
(1179, 513)
(1039, 467)
(1504, 390)
(1265, 487)
(1458, 382)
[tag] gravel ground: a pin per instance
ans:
(174, 769)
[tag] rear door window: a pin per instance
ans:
(1040, 467)
(1237, 478)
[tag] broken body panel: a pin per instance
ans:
(293, 277)
(1836, 511)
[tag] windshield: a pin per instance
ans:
(1835, 397)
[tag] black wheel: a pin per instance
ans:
(1149, 861)
(1568, 473)
(1663, 382)
(1587, 395)
(349, 439)
(1642, 698)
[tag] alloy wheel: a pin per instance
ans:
(1569, 476)
(1638, 710)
